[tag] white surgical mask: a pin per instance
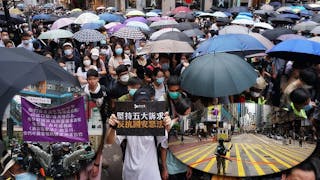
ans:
(127, 52)
(124, 78)
(255, 94)
(86, 62)
(104, 51)
(25, 42)
(68, 52)
(94, 57)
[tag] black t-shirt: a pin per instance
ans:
(140, 69)
(118, 90)
(72, 64)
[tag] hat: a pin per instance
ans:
(127, 62)
(260, 83)
(6, 162)
(94, 52)
(141, 94)
(67, 44)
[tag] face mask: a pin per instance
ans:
(127, 52)
(124, 78)
(40, 27)
(255, 94)
(104, 51)
(68, 52)
(94, 57)
(174, 95)
(25, 42)
(103, 42)
(132, 91)
(307, 107)
(86, 62)
(160, 80)
(165, 66)
(157, 60)
(119, 51)
(26, 29)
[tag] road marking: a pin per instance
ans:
(228, 156)
(256, 166)
(204, 156)
(181, 155)
(285, 156)
(272, 166)
(190, 148)
(213, 160)
(275, 158)
(196, 154)
(241, 172)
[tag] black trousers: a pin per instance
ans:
(180, 176)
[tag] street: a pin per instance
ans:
(251, 155)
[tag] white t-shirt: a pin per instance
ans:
(141, 161)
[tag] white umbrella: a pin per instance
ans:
(156, 34)
(62, 22)
(142, 26)
(86, 18)
(166, 46)
(234, 29)
(263, 25)
(315, 30)
(56, 33)
(219, 14)
(305, 26)
(204, 14)
(267, 7)
(135, 13)
(316, 39)
(243, 22)
(152, 14)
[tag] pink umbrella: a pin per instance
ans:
(181, 9)
(116, 28)
(139, 19)
(62, 22)
(112, 24)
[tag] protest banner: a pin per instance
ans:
(64, 123)
(140, 119)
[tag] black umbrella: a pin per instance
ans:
(273, 34)
(186, 26)
(174, 35)
(217, 75)
(184, 15)
(316, 18)
(236, 10)
(281, 20)
(20, 67)
(15, 19)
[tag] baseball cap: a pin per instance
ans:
(67, 44)
(127, 62)
(94, 52)
(141, 94)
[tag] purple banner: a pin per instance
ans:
(65, 123)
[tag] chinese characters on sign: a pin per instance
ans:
(140, 119)
(65, 123)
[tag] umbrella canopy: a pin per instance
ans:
(240, 44)
(243, 22)
(112, 24)
(297, 50)
(15, 11)
(315, 30)
(15, 19)
(115, 28)
(174, 35)
(86, 18)
(194, 32)
(108, 17)
(163, 23)
(139, 19)
(275, 33)
(56, 33)
(129, 33)
(263, 40)
(140, 25)
(155, 19)
(135, 13)
(156, 34)
(316, 18)
(76, 10)
(305, 26)
(217, 75)
(184, 15)
(290, 16)
(263, 25)
(267, 7)
(234, 29)
(204, 14)
(91, 25)
(285, 37)
(219, 14)
(238, 9)
(41, 17)
(31, 69)
(171, 46)
(180, 9)
(316, 39)
(280, 20)
(88, 35)
(62, 22)
(186, 25)
(152, 14)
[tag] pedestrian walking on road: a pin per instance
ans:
(220, 153)
(300, 141)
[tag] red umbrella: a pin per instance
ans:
(181, 9)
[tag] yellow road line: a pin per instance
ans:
(272, 166)
(275, 158)
(181, 155)
(204, 156)
(191, 148)
(213, 160)
(286, 156)
(255, 165)
(228, 156)
(196, 154)
(241, 172)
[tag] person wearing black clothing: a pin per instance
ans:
(220, 152)
(69, 61)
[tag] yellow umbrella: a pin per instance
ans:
(15, 11)
(76, 10)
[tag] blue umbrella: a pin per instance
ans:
(41, 17)
(243, 17)
(240, 44)
(290, 16)
(91, 26)
(275, 4)
(249, 14)
(108, 17)
(297, 50)
(158, 11)
(217, 75)
(306, 13)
